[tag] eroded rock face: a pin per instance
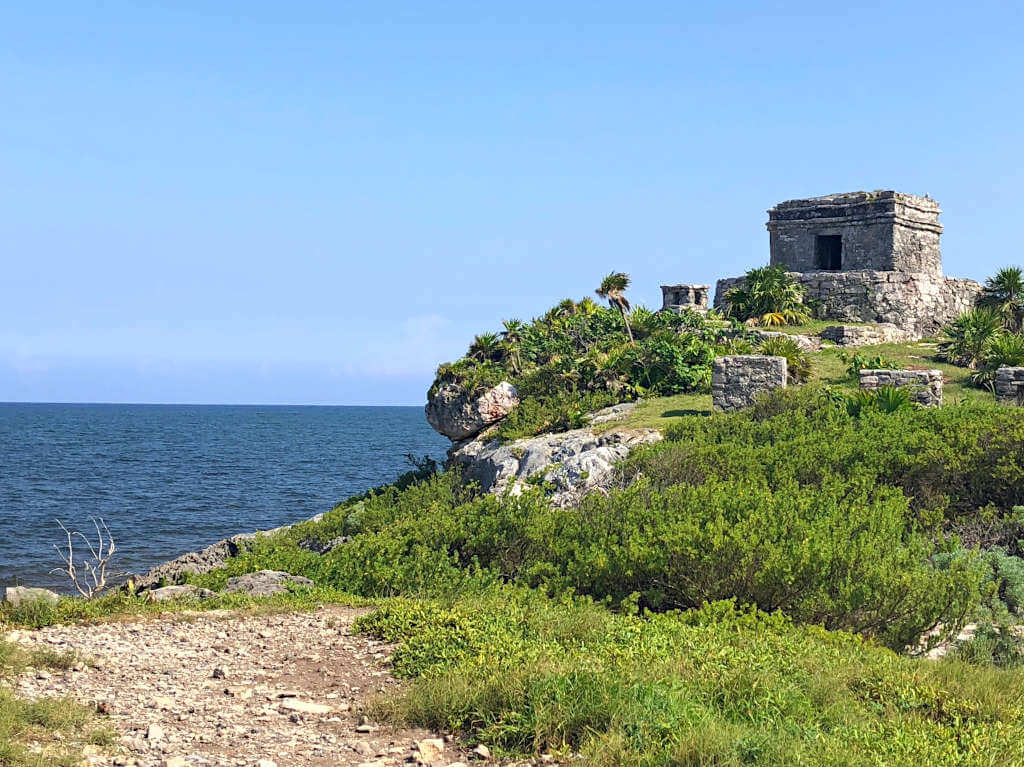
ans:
(575, 462)
(458, 416)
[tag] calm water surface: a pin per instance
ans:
(173, 478)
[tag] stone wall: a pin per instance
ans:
(866, 335)
(736, 380)
(925, 385)
(918, 303)
(1009, 385)
(882, 230)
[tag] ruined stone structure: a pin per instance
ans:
(925, 385)
(865, 335)
(867, 257)
(736, 380)
(1009, 385)
(675, 298)
(877, 231)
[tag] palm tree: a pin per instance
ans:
(513, 339)
(486, 346)
(1005, 292)
(613, 288)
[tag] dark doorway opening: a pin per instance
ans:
(828, 252)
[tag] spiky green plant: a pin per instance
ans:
(613, 289)
(768, 296)
(964, 340)
(1004, 292)
(1002, 350)
(798, 364)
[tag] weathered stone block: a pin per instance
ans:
(925, 385)
(1009, 385)
(736, 380)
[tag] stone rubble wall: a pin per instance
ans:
(675, 298)
(736, 380)
(866, 335)
(925, 385)
(917, 302)
(1009, 385)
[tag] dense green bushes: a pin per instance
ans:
(768, 296)
(793, 506)
(581, 355)
(719, 686)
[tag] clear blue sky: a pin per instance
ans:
(316, 202)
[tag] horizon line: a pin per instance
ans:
(197, 404)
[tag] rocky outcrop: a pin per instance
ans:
(17, 595)
(570, 464)
(458, 416)
(207, 560)
(265, 583)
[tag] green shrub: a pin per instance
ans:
(964, 340)
(859, 361)
(768, 296)
(581, 355)
(798, 363)
(718, 686)
(884, 399)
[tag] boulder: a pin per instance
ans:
(458, 416)
(264, 583)
(16, 595)
(178, 592)
(571, 464)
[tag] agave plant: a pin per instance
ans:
(1004, 292)
(768, 296)
(798, 364)
(613, 289)
(964, 340)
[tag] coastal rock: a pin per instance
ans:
(178, 592)
(211, 558)
(456, 415)
(16, 595)
(264, 583)
(572, 463)
(322, 547)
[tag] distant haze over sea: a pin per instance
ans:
(174, 478)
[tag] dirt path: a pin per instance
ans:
(223, 689)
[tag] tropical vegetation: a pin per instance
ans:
(768, 296)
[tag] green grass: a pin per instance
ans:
(829, 369)
(659, 412)
(44, 733)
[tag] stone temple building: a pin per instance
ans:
(867, 257)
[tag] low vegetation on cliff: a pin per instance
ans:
(747, 596)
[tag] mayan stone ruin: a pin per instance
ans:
(925, 386)
(867, 257)
(1009, 385)
(736, 380)
(676, 298)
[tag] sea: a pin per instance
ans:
(167, 479)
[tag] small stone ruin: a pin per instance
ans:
(736, 380)
(676, 298)
(1009, 386)
(867, 257)
(925, 386)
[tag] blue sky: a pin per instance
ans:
(316, 202)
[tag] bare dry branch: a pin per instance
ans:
(94, 581)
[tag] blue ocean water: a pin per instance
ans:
(174, 478)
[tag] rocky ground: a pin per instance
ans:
(224, 689)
